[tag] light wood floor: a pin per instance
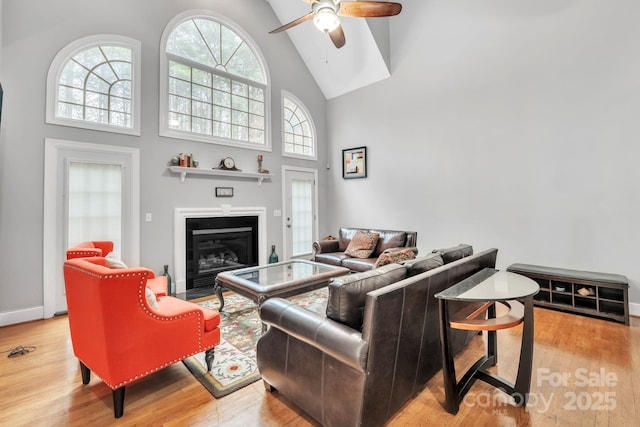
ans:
(44, 387)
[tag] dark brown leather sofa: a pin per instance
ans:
(361, 369)
(332, 251)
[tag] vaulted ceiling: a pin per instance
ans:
(362, 61)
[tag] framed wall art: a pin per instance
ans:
(354, 163)
(224, 191)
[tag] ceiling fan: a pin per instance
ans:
(326, 15)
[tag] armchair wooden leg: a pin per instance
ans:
(86, 373)
(118, 402)
(208, 357)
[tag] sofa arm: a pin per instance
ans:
(325, 246)
(332, 338)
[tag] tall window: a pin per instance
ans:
(214, 83)
(94, 83)
(298, 129)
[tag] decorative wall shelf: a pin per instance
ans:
(183, 171)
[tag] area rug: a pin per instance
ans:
(234, 365)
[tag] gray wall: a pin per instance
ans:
(33, 32)
(506, 124)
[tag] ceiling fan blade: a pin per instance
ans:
(300, 20)
(369, 9)
(337, 37)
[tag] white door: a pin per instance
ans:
(91, 193)
(300, 211)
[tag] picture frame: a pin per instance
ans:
(224, 191)
(354, 163)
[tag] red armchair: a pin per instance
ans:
(116, 332)
(89, 249)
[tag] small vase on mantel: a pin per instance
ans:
(273, 258)
(166, 273)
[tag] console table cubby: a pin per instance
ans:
(595, 294)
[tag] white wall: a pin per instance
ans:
(33, 32)
(505, 124)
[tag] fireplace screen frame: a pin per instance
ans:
(217, 244)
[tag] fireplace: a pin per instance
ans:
(218, 244)
(180, 248)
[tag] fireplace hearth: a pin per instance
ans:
(218, 244)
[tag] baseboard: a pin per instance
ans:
(634, 309)
(19, 316)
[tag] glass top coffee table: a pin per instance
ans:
(281, 279)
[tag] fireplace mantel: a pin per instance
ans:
(179, 234)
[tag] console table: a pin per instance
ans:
(602, 295)
(488, 286)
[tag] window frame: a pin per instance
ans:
(165, 58)
(62, 58)
(312, 126)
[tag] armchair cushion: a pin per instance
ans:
(362, 245)
(347, 294)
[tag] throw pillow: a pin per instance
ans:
(362, 244)
(151, 298)
(114, 262)
(394, 255)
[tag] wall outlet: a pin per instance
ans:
(277, 212)
(147, 217)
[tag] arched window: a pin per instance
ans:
(298, 130)
(94, 83)
(214, 84)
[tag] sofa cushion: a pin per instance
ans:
(455, 253)
(392, 255)
(423, 263)
(362, 244)
(347, 294)
(331, 258)
(359, 264)
(389, 239)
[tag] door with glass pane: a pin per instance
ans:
(94, 203)
(300, 212)
(91, 193)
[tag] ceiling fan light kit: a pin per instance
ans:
(326, 15)
(326, 20)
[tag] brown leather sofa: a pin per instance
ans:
(332, 251)
(376, 346)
